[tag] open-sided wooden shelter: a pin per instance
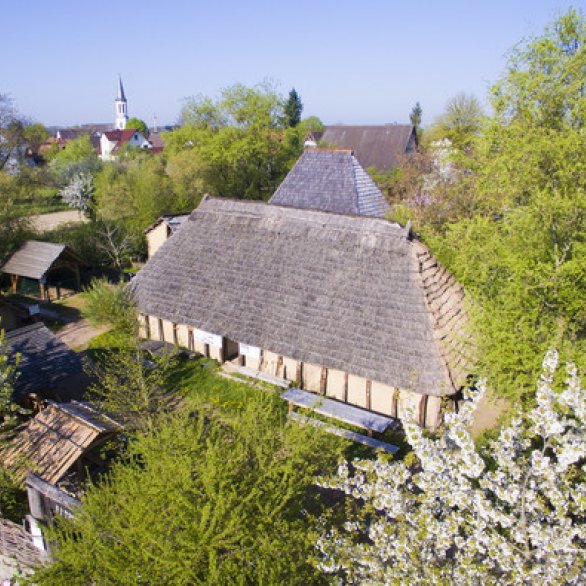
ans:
(351, 307)
(47, 264)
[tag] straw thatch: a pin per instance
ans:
(380, 146)
(330, 180)
(56, 438)
(345, 292)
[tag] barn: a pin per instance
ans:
(350, 307)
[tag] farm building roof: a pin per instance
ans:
(44, 359)
(347, 292)
(54, 440)
(330, 180)
(380, 146)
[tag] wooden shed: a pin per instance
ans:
(47, 265)
(61, 437)
(348, 306)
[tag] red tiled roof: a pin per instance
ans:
(120, 136)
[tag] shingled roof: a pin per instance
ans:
(346, 292)
(44, 359)
(56, 438)
(34, 259)
(330, 180)
(379, 146)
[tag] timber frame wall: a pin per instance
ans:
(337, 384)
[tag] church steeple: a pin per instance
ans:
(121, 107)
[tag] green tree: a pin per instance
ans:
(78, 156)
(415, 116)
(521, 254)
(293, 109)
(138, 124)
(201, 500)
(35, 135)
(111, 304)
(134, 192)
(460, 123)
(238, 141)
(8, 375)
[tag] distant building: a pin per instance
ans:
(111, 142)
(381, 146)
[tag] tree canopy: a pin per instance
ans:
(238, 142)
(200, 500)
(138, 124)
(293, 109)
(510, 513)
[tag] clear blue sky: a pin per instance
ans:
(361, 62)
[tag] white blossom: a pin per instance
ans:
(510, 513)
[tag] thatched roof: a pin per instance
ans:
(379, 146)
(333, 181)
(45, 360)
(345, 292)
(54, 440)
(35, 259)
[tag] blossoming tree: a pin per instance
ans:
(510, 513)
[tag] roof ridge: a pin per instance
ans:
(258, 202)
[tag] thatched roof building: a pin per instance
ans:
(350, 295)
(380, 146)
(330, 180)
(48, 367)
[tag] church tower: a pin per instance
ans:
(121, 107)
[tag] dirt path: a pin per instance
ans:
(488, 412)
(78, 335)
(43, 222)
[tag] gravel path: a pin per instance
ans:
(43, 222)
(78, 334)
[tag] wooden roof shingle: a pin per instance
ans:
(346, 292)
(54, 440)
(44, 359)
(330, 180)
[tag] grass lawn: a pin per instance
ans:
(200, 383)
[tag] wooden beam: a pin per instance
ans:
(369, 395)
(323, 380)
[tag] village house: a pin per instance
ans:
(350, 307)
(330, 180)
(113, 141)
(379, 146)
